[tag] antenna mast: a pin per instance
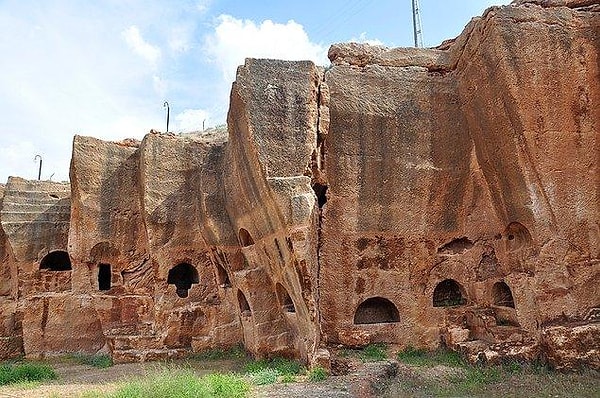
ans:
(418, 30)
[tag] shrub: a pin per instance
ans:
(317, 374)
(27, 371)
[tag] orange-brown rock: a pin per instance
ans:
(416, 197)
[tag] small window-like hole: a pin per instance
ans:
(511, 237)
(53, 196)
(104, 276)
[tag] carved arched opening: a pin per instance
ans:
(104, 276)
(245, 238)
(502, 295)
(56, 261)
(243, 303)
(286, 302)
(222, 277)
(376, 310)
(183, 276)
(517, 236)
(448, 293)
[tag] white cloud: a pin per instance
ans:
(203, 5)
(191, 120)
(362, 38)
(234, 39)
(141, 47)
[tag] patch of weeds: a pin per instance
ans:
(236, 352)
(288, 379)
(180, 384)
(267, 371)
(317, 374)
(99, 361)
(421, 357)
(263, 376)
(373, 353)
(283, 366)
(475, 377)
(11, 373)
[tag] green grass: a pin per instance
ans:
(370, 353)
(236, 352)
(373, 353)
(420, 357)
(99, 361)
(317, 374)
(11, 373)
(269, 371)
(283, 366)
(263, 376)
(180, 384)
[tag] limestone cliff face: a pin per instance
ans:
(409, 196)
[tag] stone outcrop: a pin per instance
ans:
(416, 197)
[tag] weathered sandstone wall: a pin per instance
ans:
(477, 164)
(416, 197)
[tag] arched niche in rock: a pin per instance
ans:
(183, 276)
(376, 310)
(502, 295)
(449, 293)
(245, 238)
(285, 300)
(56, 261)
(517, 236)
(222, 277)
(243, 303)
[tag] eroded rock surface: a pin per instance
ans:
(416, 197)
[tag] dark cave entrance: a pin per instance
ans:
(104, 276)
(448, 293)
(56, 261)
(376, 310)
(183, 276)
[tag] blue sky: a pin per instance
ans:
(104, 68)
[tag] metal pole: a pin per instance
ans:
(166, 105)
(40, 168)
(417, 30)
